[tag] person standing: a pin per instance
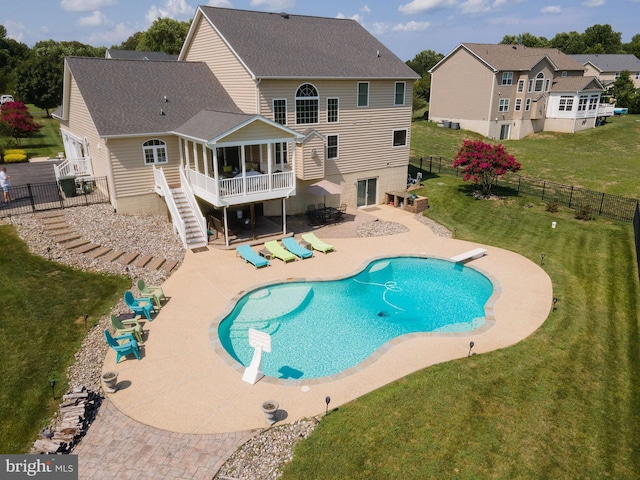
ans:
(5, 184)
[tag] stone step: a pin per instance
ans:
(49, 221)
(68, 237)
(142, 261)
(114, 255)
(51, 214)
(156, 263)
(56, 226)
(169, 265)
(76, 243)
(128, 258)
(87, 248)
(99, 252)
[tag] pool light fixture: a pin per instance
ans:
(542, 259)
(555, 301)
(327, 401)
(471, 344)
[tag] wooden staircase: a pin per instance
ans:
(194, 236)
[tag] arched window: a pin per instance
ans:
(307, 101)
(155, 151)
(539, 82)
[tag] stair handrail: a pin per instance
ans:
(193, 204)
(162, 187)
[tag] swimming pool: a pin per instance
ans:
(320, 328)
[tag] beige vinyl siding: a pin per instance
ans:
(131, 175)
(310, 166)
(256, 132)
(365, 133)
(461, 88)
(207, 46)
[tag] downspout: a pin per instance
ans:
(258, 96)
(112, 183)
(493, 91)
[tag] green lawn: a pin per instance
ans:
(561, 404)
(604, 159)
(42, 304)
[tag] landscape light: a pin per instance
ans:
(327, 400)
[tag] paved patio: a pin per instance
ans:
(186, 385)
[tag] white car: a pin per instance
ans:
(6, 98)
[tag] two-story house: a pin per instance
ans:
(257, 107)
(511, 91)
(607, 67)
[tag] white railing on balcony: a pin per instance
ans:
(193, 204)
(606, 109)
(78, 167)
(163, 189)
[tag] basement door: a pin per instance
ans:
(367, 192)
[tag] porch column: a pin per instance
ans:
(195, 156)
(186, 153)
(270, 164)
(284, 216)
(226, 228)
(244, 169)
(214, 151)
(205, 159)
(181, 150)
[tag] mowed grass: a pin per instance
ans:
(42, 307)
(561, 404)
(604, 159)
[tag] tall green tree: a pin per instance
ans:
(602, 39)
(40, 76)
(130, 43)
(570, 43)
(11, 53)
(164, 35)
(527, 39)
(633, 47)
(421, 64)
(625, 93)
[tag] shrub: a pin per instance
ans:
(553, 206)
(15, 155)
(584, 212)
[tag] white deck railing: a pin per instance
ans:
(193, 204)
(78, 167)
(605, 109)
(162, 187)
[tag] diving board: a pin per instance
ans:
(470, 255)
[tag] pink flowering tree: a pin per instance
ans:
(16, 121)
(484, 163)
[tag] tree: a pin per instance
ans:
(16, 121)
(11, 53)
(602, 39)
(527, 39)
(625, 93)
(569, 43)
(130, 43)
(484, 163)
(633, 47)
(164, 35)
(421, 64)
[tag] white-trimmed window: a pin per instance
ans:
(280, 152)
(154, 151)
(518, 105)
(593, 102)
(332, 147)
(363, 94)
(280, 110)
(307, 101)
(539, 82)
(547, 83)
(399, 94)
(564, 73)
(566, 103)
(503, 105)
(333, 105)
(582, 103)
(637, 75)
(520, 86)
(617, 75)
(527, 105)
(399, 138)
(507, 78)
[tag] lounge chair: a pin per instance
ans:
(295, 248)
(132, 326)
(249, 255)
(139, 306)
(154, 292)
(278, 251)
(316, 243)
(122, 349)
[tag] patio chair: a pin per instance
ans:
(154, 292)
(139, 306)
(294, 247)
(316, 243)
(132, 326)
(278, 251)
(249, 255)
(122, 349)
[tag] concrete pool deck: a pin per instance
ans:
(184, 385)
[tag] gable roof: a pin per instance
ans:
(610, 62)
(279, 45)
(138, 55)
(517, 58)
(576, 84)
(127, 97)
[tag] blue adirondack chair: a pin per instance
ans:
(139, 306)
(124, 349)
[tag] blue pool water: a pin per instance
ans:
(324, 327)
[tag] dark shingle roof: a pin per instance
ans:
(576, 84)
(610, 62)
(503, 57)
(274, 45)
(138, 55)
(209, 124)
(125, 97)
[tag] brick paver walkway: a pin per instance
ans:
(117, 447)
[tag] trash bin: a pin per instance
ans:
(455, 125)
(68, 185)
(446, 123)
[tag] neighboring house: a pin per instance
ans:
(257, 108)
(607, 67)
(138, 55)
(511, 91)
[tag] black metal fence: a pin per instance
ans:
(602, 204)
(65, 193)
